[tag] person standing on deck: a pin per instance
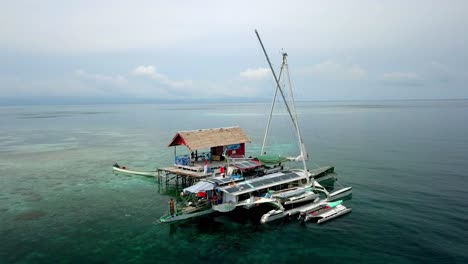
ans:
(205, 167)
(171, 207)
(221, 171)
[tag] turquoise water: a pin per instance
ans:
(60, 201)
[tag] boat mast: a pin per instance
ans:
(278, 87)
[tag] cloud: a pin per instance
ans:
(83, 83)
(402, 78)
(332, 70)
(151, 72)
(441, 72)
(255, 74)
(99, 26)
(202, 89)
(114, 80)
(144, 70)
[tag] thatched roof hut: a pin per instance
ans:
(208, 138)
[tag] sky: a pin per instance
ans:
(178, 51)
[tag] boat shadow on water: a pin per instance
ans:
(215, 223)
(241, 220)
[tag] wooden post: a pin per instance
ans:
(159, 180)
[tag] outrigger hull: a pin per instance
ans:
(334, 215)
(272, 216)
(324, 214)
(131, 172)
(323, 174)
(340, 194)
(308, 196)
(174, 218)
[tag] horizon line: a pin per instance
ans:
(120, 101)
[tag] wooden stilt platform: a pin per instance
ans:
(186, 175)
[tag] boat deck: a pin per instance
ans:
(197, 166)
(188, 175)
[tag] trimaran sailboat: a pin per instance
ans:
(282, 189)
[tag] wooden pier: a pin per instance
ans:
(187, 175)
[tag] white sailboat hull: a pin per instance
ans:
(308, 196)
(334, 214)
(340, 194)
(272, 216)
(328, 214)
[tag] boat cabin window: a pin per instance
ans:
(244, 196)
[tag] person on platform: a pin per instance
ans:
(205, 167)
(221, 171)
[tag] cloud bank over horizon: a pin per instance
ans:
(193, 51)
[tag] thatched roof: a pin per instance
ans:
(207, 138)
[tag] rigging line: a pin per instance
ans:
(289, 83)
(303, 152)
(267, 131)
(301, 147)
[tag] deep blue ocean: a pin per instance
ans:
(60, 202)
